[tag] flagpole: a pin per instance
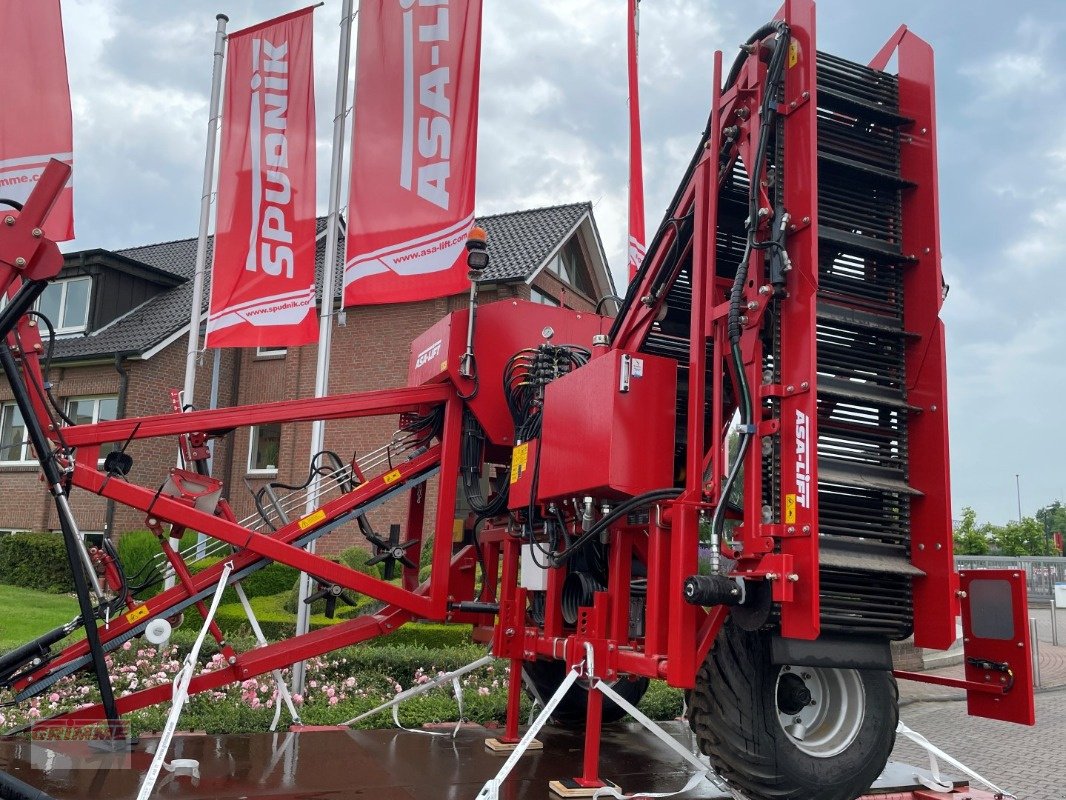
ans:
(325, 320)
(205, 215)
(189, 388)
(634, 244)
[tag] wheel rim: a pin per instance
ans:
(819, 709)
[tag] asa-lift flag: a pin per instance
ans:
(35, 118)
(414, 150)
(263, 272)
(637, 242)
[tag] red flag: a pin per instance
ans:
(414, 150)
(637, 242)
(35, 120)
(263, 277)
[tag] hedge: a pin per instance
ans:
(353, 557)
(278, 623)
(35, 561)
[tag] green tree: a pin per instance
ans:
(1025, 538)
(971, 539)
(1053, 520)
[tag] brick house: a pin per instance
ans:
(121, 319)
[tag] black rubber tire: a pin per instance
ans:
(734, 710)
(544, 677)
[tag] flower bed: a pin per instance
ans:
(339, 686)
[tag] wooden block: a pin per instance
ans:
(496, 746)
(568, 787)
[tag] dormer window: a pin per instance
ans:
(570, 265)
(66, 304)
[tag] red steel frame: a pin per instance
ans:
(677, 634)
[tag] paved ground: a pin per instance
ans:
(1030, 762)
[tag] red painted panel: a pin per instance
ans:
(600, 440)
(926, 368)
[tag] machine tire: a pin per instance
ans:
(542, 678)
(742, 701)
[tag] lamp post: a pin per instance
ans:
(1018, 492)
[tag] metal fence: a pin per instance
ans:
(1041, 573)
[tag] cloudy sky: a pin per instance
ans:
(553, 130)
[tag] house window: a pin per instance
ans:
(570, 266)
(271, 352)
(90, 410)
(263, 448)
(14, 442)
(66, 304)
(537, 296)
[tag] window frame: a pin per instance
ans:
(271, 352)
(568, 261)
(95, 398)
(27, 458)
(253, 447)
(65, 284)
(538, 295)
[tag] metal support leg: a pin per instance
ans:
(491, 790)
(510, 740)
(514, 701)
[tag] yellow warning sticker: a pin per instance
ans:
(519, 459)
(140, 612)
(312, 519)
(793, 53)
(457, 531)
(391, 477)
(790, 509)
(443, 365)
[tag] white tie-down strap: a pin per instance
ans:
(279, 680)
(491, 790)
(180, 693)
(935, 781)
(414, 691)
(702, 770)
(458, 691)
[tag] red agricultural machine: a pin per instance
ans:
(791, 294)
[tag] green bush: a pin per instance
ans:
(278, 622)
(272, 579)
(432, 636)
(662, 701)
(354, 558)
(35, 561)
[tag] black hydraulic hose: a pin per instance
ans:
(736, 294)
(623, 508)
(777, 26)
